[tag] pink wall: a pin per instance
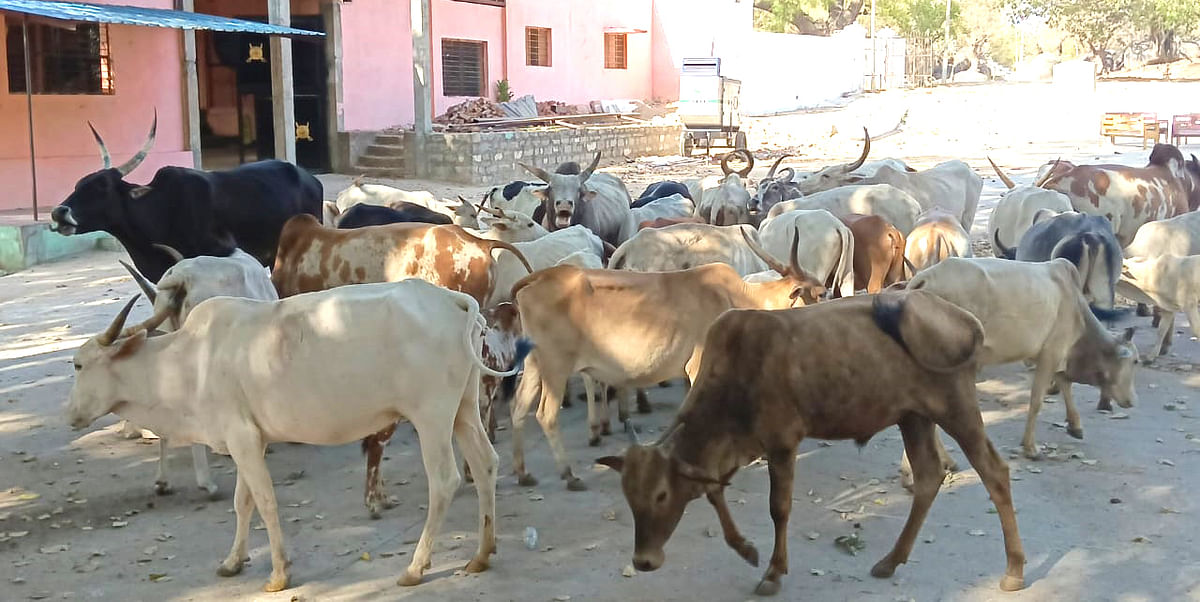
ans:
(466, 21)
(693, 29)
(147, 65)
(376, 64)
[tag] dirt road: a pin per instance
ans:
(1114, 516)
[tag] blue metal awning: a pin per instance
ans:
(148, 17)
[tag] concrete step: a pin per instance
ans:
(389, 139)
(383, 172)
(386, 150)
(372, 160)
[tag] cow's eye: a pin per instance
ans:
(78, 367)
(661, 497)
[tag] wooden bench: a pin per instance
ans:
(1184, 127)
(1146, 126)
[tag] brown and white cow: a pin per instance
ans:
(905, 359)
(1037, 312)
(938, 235)
(1167, 186)
(878, 252)
(627, 329)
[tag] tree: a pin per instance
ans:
(1095, 23)
(1166, 20)
(919, 18)
(811, 17)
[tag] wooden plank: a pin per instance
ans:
(566, 124)
(283, 106)
(543, 119)
(192, 89)
(422, 76)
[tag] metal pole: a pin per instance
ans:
(946, 71)
(192, 89)
(422, 84)
(874, 48)
(29, 111)
(283, 107)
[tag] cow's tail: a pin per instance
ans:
(899, 261)
(473, 338)
(1005, 252)
(499, 244)
(617, 260)
(845, 261)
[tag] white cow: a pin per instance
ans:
(826, 249)
(547, 251)
(510, 226)
(521, 197)
(182, 287)
(728, 203)
(675, 205)
(892, 204)
(1179, 235)
(1020, 208)
(1168, 282)
(241, 374)
(684, 246)
(461, 211)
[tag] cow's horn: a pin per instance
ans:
(141, 281)
(725, 164)
(537, 172)
(1003, 177)
(1049, 173)
(774, 166)
(137, 159)
(797, 271)
(587, 173)
(745, 172)
(771, 262)
(108, 336)
(863, 157)
(175, 255)
(107, 158)
(791, 175)
(161, 314)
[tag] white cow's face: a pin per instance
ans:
(97, 388)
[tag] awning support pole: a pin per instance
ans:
(283, 107)
(193, 89)
(29, 111)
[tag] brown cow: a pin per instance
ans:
(1167, 186)
(878, 252)
(663, 222)
(315, 258)
(907, 359)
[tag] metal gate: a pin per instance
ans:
(923, 60)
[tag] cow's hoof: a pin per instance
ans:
(767, 587)
(1031, 453)
(408, 579)
(748, 552)
(1012, 584)
(576, 484)
(594, 441)
(606, 428)
(527, 480)
(1054, 389)
(277, 583)
(230, 571)
(476, 565)
(1076, 432)
(1104, 405)
(163, 488)
(883, 569)
(212, 493)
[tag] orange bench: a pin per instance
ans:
(1185, 126)
(1146, 126)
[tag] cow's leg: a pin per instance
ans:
(781, 467)
(1157, 313)
(200, 467)
(442, 473)
(161, 486)
(733, 537)
(944, 458)
(478, 451)
(920, 445)
(1074, 426)
(623, 408)
(1041, 381)
(248, 451)
(948, 463)
(243, 507)
(966, 427)
(1143, 311)
(643, 402)
(553, 384)
(1193, 314)
(523, 400)
(593, 418)
(1166, 328)
(374, 497)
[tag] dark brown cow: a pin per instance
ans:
(1167, 186)
(907, 359)
(315, 258)
(878, 252)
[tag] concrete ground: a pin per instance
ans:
(1111, 517)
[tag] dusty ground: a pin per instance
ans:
(1119, 523)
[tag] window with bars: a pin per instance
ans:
(62, 61)
(615, 56)
(464, 68)
(537, 46)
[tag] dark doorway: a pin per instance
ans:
(249, 55)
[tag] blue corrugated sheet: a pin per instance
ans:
(150, 17)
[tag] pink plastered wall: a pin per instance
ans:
(147, 67)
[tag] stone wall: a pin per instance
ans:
(491, 157)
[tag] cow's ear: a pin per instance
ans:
(501, 226)
(541, 193)
(616, 463)
(138, 192)
(130, 346)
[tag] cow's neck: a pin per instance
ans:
(157, 388)
(706, 441)
(1085, 354)
(763, 295)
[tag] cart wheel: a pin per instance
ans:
(685, 144)
(739, 141)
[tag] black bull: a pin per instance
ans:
(195, 212)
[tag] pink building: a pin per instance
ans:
(357, 78)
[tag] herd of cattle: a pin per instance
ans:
(433, 307)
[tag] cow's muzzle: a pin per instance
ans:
(648, 561)
(64, 221)
(562, 219)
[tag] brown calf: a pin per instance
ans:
(878, 252)
(907, 359)
(315, 258)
